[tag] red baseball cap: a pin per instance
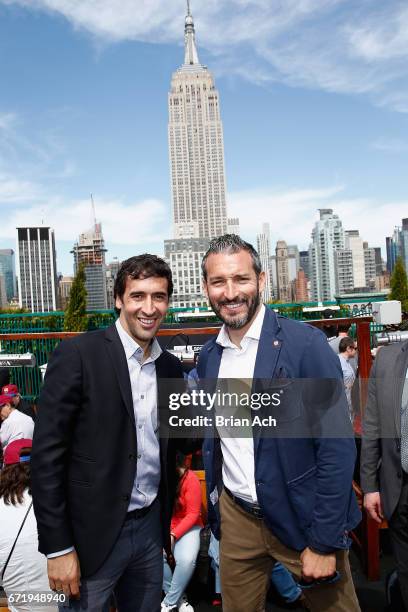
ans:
(9, 390)
(13, 450)
(5, 399)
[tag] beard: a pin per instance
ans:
(237, 322)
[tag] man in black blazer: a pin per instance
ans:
(384, 453)
(103, 479)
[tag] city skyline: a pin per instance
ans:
(299, 135)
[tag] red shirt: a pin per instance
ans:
(188, 509)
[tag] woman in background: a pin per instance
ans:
(26, 571)
(186, 525)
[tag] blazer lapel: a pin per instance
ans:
(120, 366)
(269, 347)
(213, 361)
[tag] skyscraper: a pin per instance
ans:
(196, 147)
(327, 238)
(8, 270)
(264, 250)
(90, 251)
(37, 269)
(282, 271)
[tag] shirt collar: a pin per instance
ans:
(253, 332)
(131, 347)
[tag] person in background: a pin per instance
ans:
(384, 451)
(347, 351)
(342, 331)
(18, 402)
(186, 525)
(15, 424)
(26, 569)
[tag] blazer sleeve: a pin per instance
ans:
(335, 454)
(371, 438)
(59, 404)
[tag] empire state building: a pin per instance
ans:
(196, 147)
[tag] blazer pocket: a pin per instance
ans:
(287, 400)
(80, 471)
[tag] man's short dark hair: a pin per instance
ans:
(345, 343)
(142, 266)
(343, 328)
(231, 243)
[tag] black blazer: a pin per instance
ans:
(381, 443)
(84, 456)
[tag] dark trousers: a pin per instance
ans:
(398, 525)
(133, 571)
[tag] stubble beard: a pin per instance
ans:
(235, 322)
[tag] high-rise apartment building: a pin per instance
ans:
(64, 290)
(304, 262)
(301, 293)
(3, 294)
(370, 266)
(37, 270)
(343, 263)
(327, 238)
(184, 258)
(264, 250)
(8, 270)
(112, 270)
(196, 147)
(354, 242)
(282, 271)
(90, 251)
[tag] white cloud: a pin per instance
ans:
(17, 191)
(390, 145)
(292, 213)
(132, 224)
(334, 45)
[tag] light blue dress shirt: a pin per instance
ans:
(143, 382)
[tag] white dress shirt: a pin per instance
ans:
(16, 427)
(238, 469)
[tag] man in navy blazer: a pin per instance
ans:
(285, 497)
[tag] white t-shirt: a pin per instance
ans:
(16, 427)
(27, 568)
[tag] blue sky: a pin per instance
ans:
(314, 101)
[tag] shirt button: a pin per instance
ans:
(126, 498)
(140, 426)
(139, 456)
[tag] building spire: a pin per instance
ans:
(190, 54)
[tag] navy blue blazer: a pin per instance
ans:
(303, 484)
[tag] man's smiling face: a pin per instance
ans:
(233, 287)
(143, 307)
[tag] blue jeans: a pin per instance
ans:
(284, 583)
(185, 554)
(132, 571)
(214, 553)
